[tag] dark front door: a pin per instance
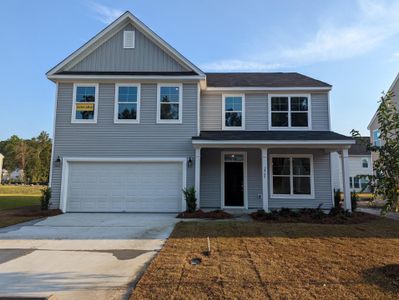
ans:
(234, 183)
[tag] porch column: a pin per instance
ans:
(345, 179)
(197, 174)
(265, 187)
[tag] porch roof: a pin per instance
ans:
(273, 137)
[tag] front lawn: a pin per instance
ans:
(19, 203)
(256, 260)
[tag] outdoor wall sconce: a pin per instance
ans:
(58, 162)
(190, 162)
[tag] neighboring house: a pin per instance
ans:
(136, 122)
(1, 166)
(16, 175)
(374, 126)
(360, 164)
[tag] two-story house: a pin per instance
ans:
(373, 126)
(136, 122)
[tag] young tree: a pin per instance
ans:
(385, 181)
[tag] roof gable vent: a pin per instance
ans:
(128, 38)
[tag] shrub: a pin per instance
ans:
(262, 215)
(191, 199)
(354, 199)
(45, 199)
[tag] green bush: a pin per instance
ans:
(191, 199)
(45, 200)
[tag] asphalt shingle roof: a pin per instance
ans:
(271, 135)
(277, 79)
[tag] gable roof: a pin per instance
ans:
(259, 79)
(360, 148)
(103, 35)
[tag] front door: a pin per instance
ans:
(234, 180)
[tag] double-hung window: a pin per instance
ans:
(169, 108)
(127, 103)
(292, 176)
(85, 103)
(289, 111)
(233, 112)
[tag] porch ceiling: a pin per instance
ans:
(275, 138)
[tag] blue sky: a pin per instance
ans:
(353, 45)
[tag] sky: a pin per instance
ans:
(351, 44)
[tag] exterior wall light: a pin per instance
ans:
(190, 162)
(58, 161)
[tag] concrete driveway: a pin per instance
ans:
(80, 256)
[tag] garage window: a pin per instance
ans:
(85, 103)
(127, 103)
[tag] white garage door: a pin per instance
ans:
(124, 186)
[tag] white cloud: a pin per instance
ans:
(104, 13)
(375, 22)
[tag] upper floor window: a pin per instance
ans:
(292, 176)
(127, 103)
(365, 163)
(289, 111)
(376, 138)
(85, 99)
(169, 108)
(233, 112)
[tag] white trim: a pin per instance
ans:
(242, 127)
(123, 77)
(289, 112)
(245, 174)
(198, 108)
(116, 102)
(67, 160)
(238, 88)
(292, 195)
(273, 142)
(332, 179)
(197, 184)
(265, 174)
(83, 121)
(159, 120)
(329, 111)
(127, 16)
(345, 179)
(53, 141)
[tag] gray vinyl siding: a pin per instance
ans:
(320, 113)
(106, 139)
(256, 111)
(111, 56)
(211, 179)
(322, 182)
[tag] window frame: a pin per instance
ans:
(178, 121)
(377, 140)
(356, 179)
(96, 93)
(224, 127)
(367, 161)
(116, 104)
(292, 195)
(289, 127)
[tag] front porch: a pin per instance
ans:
(232, 173)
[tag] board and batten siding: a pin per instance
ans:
(256, 111)
(106, 139)
(112, 57)
(211, 179)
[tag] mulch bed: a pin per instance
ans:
(297, 217)
(23, 214)
(200, 214)
(37, 212)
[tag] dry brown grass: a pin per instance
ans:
(252, 260)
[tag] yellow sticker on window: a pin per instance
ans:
(84, 106)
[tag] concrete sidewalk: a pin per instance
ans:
(80, 256)
(377, 212)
